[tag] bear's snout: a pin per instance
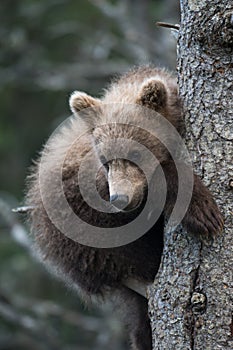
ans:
(125, 187)
(120, 201)
(121, 190)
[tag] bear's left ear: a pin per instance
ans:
(80, 100)
(153, 95)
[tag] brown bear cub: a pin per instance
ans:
(122, 271)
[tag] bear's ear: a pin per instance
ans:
(80, 100)
(153, 95)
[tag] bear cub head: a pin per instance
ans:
(125, 128)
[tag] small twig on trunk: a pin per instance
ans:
(17, 230)
(168, 25)
(23, 210)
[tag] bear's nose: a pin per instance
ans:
(120, 201)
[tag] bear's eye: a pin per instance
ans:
(134, 156)
(104, 161)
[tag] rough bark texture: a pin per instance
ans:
(191, 302)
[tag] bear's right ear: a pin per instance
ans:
(153, 95)
(80, 100)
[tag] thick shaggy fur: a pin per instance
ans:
(104, 272)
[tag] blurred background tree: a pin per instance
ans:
(48, 49)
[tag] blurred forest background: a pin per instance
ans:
(48, 48)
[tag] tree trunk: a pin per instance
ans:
(191, 301)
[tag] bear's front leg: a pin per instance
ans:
(202, 216)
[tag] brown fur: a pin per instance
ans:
(102, 272)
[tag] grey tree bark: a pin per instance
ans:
(191, 301)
